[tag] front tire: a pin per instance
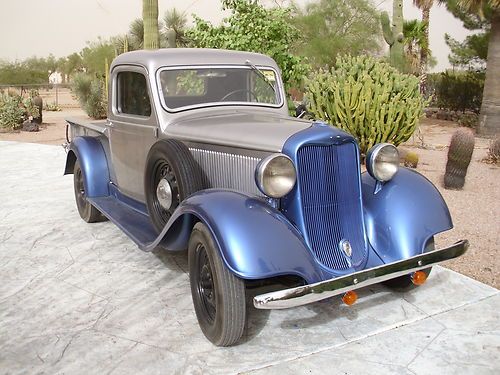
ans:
(404, 283)
(218, 295)
(87, 212)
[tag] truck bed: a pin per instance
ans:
(85, 126)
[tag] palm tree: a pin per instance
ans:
(489, 119)
(416, 44)
(176, 21)
(425, 6)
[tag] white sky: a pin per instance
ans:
(61, 27)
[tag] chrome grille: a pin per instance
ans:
(227, 171)
(331, 204)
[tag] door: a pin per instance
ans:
(133, 128)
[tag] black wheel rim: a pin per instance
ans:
(163, 170)
(80, 190)
(205, 288)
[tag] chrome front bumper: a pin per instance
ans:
(302, 295)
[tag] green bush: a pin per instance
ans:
(367, 98)
(81, 87)
(90, 93)
(469, 120)
(14, 110)
(250, 26)
(458, 91)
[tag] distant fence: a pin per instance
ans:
(59, 94)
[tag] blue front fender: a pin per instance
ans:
(255, 240)
(94, 165)
(403, 214)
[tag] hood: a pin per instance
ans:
(255, 130)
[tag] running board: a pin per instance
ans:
(136, 225)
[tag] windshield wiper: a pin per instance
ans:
(261, 75)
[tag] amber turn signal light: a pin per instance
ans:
(349, 298)
(419, 277)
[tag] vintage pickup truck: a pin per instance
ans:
(199, 153)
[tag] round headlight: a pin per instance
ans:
(275, 175)
(382, 161)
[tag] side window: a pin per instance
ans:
(132, 94)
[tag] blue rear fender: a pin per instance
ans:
(403, 214)
(93, 162)
(255, 240)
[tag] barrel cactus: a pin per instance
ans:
(367, 98)
(411, 160)
(459, 157)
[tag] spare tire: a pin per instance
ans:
(171, 176)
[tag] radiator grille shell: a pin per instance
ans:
(329, 183)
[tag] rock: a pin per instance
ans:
(442, 115)
(29, 126)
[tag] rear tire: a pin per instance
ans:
(404, 283)
(87, 212)
(218, 295)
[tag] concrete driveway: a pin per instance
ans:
(79, 298)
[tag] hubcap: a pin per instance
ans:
(164, 194)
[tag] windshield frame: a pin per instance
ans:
(279, 87)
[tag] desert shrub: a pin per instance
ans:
(469, 120)
(96, 106)
(90, 93)
(14, 110)
(493, 156)
(81, 87)
(431, 87)
(52, 107)
(459, 91)
(367, 98)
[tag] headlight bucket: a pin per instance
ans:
(275, 175)
(382, 161)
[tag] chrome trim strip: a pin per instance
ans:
(302, 295)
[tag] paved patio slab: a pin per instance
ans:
(81, 298)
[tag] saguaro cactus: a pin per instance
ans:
(393, 34)
(150, 18)
(459, 156)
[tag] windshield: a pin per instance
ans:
(248, 85)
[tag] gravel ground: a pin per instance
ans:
(475, 209)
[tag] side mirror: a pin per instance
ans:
(300, 110)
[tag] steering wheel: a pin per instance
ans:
(252, 93)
